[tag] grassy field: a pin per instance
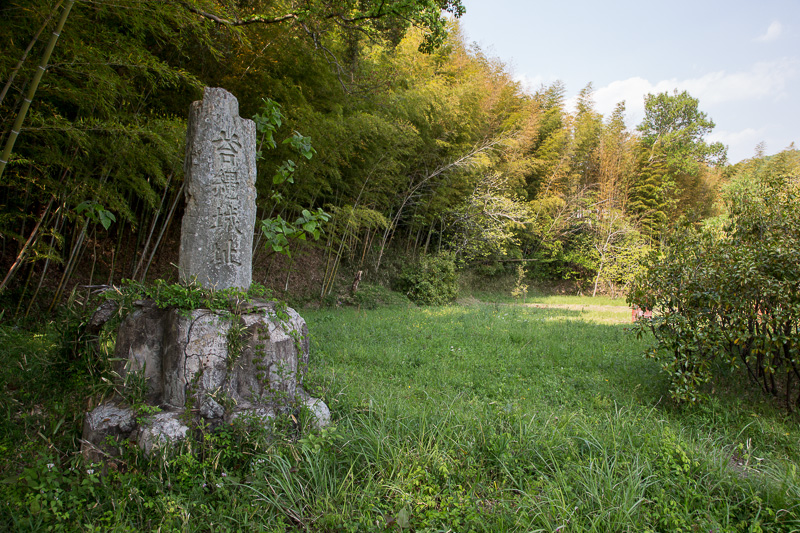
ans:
(477, 417)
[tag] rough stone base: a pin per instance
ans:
(201, 366)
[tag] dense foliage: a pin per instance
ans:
(419, 155)
(432, 280)
(728, 294)
(415, 152)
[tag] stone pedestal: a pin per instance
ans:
(204, 366)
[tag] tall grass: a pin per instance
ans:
(464, 418)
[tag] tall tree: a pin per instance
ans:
(674, 162)
(587, 128)
(614, 161)
(674, 129)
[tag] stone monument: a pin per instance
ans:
(207, 365)
(220, 177)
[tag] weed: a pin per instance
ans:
(236, 339)
(520, 287)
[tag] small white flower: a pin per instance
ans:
(90, 471)
(50, 466)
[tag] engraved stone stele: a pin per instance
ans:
(220, 176)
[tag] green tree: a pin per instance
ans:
(674, 129)
(652, 192)
(488, 222)
(587, 129)
(550, 169)
(614, 161)
(726, 294)
(675, 160)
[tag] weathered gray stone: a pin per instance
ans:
(211, 410)
(197, 359)
(195, 355)
(160, 429)
(264, 415)
(220, 177)
(102, 314)
(188, 354)
(210, 364)
(139, 347)
(320, 413)
(110, 417)
(106, 420)
(277, 349)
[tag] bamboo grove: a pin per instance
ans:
(423, 144)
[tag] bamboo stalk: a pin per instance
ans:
(367, 239)
(329, 248)
(111, 268)
(26, 103)
(24, 290)
(35, 39)
(152, 228)
(139, 236)
(70, 267)
(75, 255)
(163, 230)
(428, 240)
(24, 252)
(115, 251)
(59, 223)
(94, 256)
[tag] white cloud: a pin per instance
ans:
(773, 33)
(532, 84)
(766, 80)
(741, 144)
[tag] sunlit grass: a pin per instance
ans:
(523, 355)
(494, 296)
(564, 299)
(590, 436)
(479, 417)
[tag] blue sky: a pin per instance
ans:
(741, 59)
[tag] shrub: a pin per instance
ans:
(432, 280)
(372, 296)
(731, 295)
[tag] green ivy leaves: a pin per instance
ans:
(96, 213)
(279, 232)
